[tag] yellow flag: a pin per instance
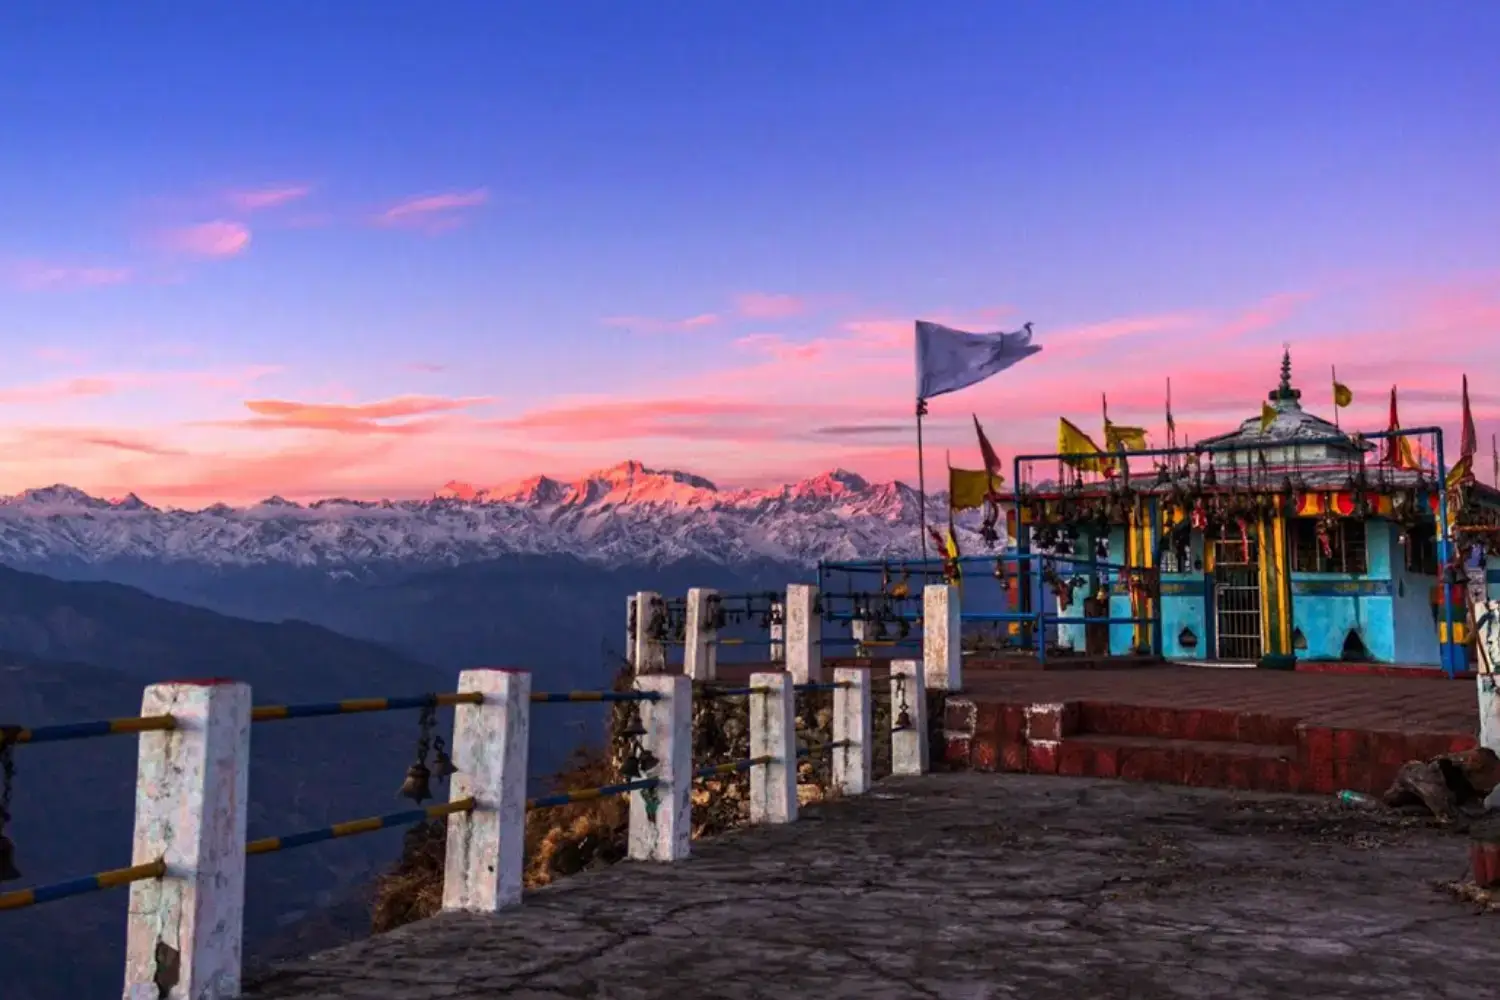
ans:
(1118, 438)
(1267, 416)
(1072, 441)
(1342, 395)
(1460, 472)
(967, 488)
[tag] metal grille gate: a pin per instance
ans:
(1237, 599)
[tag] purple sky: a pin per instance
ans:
(277, 248)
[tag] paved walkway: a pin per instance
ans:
(974, 886)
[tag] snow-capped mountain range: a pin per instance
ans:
(627, 514)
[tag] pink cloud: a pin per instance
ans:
(433, 212)
(35, 276)
(355, 418)
(780, 348)
(646, 324)
(88, 386)
(257, 199)
(764, 305)
(219, 238)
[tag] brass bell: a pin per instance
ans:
(647, 762)
(903, 719)
(8, 870)
(442, 764)
(634, 729)
(418, 783)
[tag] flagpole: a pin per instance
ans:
(1334, 373)
(1494, 462)
(921, 483)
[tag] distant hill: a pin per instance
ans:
(84, 650)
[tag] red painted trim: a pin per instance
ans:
(1380, 670)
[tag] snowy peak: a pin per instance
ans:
(57, 496)
(624, 514)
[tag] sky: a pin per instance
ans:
(362, 250)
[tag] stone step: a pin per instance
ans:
(1216, 725)
(1240, 765)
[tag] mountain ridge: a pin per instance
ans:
(627, 514)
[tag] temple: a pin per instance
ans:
(1286, 539)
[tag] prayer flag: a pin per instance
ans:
(1267, 417)
(1468, 441)
(1342, 395)
(1120, 438)
(949, 359)
(1398, 451)
(969, 488)
(987, 452)
(1072, 441)
(1461, 472)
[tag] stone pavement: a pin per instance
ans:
(975, 886)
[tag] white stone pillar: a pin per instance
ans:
(942, 637)
(859, 631)
(773, 733)
(778, 632)
(908, 744)
(484, 863)
(191, 801)
(667, 835)
(804, 634)
(854, 722)
(700, 656)
(1487, 641)
(650, 650)
(631, 625)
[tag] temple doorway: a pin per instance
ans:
(1237, 623)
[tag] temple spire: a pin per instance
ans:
(1284, 396)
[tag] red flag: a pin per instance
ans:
(991, 459)
(1468, 441)
(1398, 450)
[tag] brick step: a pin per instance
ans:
(1203, 725)
(1246, 766)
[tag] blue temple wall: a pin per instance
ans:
(1492, 583)
(1326, 606)
(1184, 605)
(1416, 634)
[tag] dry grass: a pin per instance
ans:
(577, 837)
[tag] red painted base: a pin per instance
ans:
(1219, 748)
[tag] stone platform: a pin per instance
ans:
(969, 886)
(1263, 730)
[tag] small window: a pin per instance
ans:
(1346, 547)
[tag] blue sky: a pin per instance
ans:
(803, 179)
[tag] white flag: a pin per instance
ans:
(949, 359)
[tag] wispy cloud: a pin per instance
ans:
(110, 384)
(219, 238)
(37, 276)
(270, 196)
(434, 212)
(355, 418)
(428, 367)
(60, 355)
(648, 324)
(765, 305)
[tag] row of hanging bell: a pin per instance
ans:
(418, 783)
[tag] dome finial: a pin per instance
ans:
(1284, 393)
